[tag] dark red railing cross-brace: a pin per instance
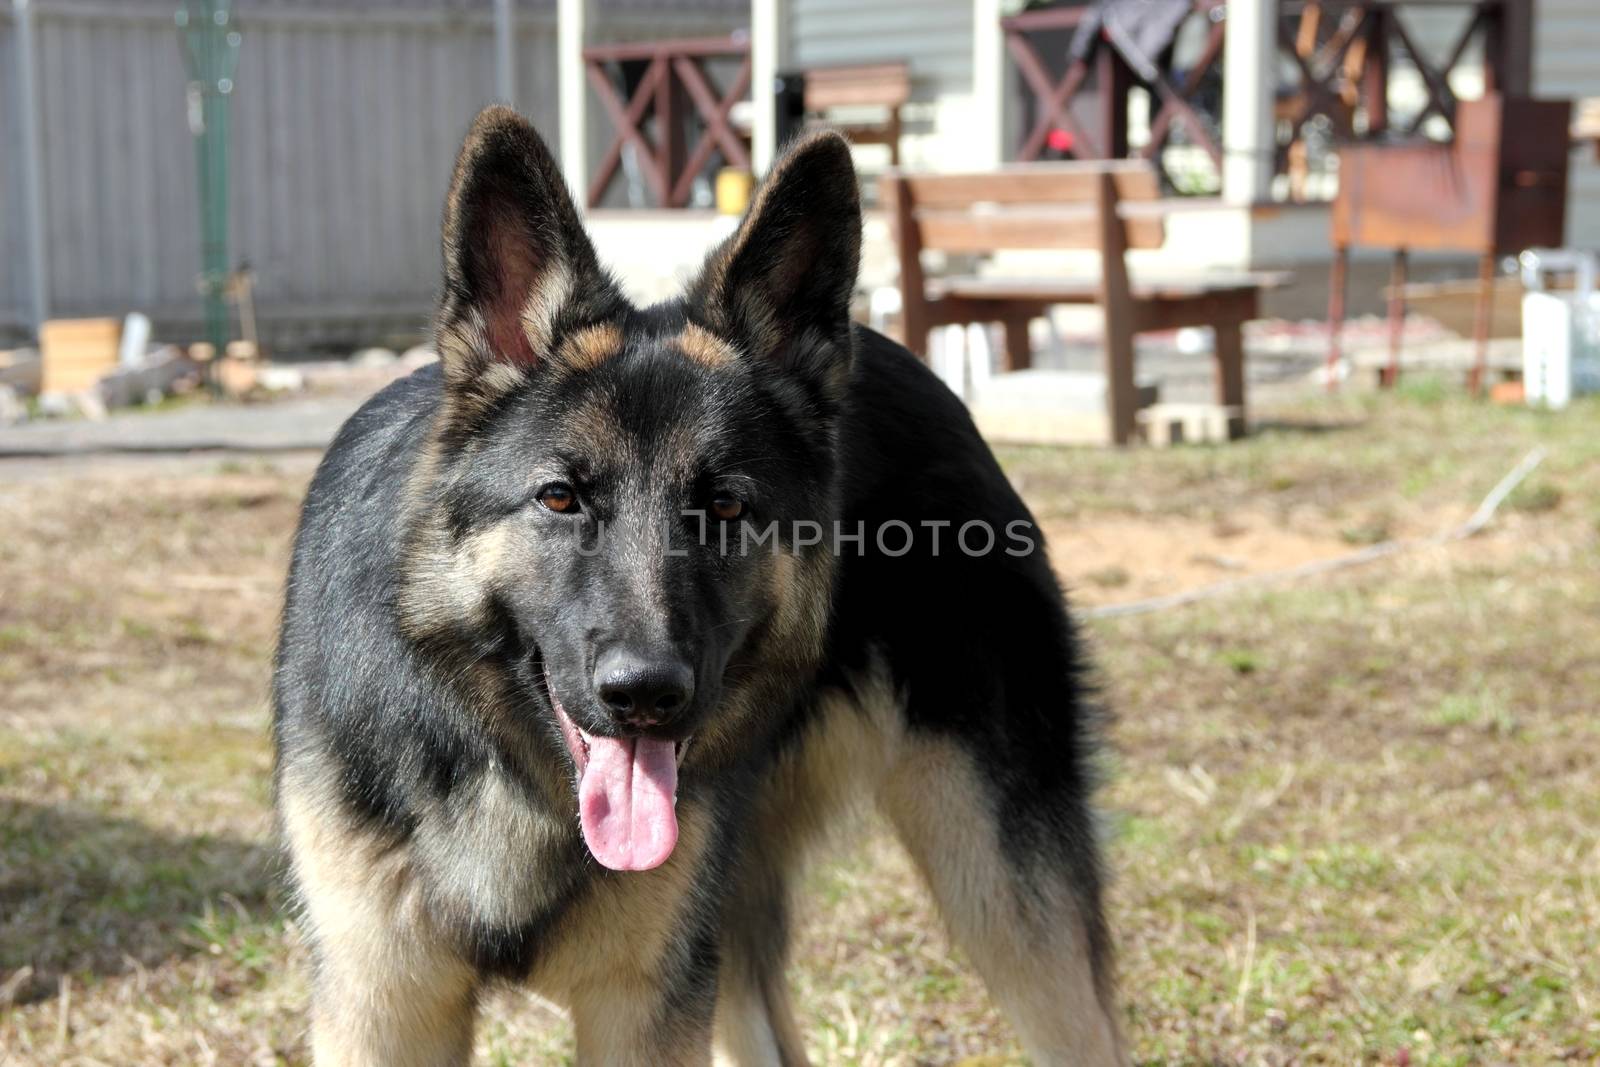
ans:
(1175, 103)
(1054, 97)
(673, 66)
(715, 111)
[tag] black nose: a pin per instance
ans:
(642, 690)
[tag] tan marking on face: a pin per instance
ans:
(797, 599)
(590, 347)
(593, 421)
(801, 588)
(448, 584)
(705, 347)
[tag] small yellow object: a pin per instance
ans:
(733, 190)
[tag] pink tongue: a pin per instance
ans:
(625, 802)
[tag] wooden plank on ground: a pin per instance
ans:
(76, 353)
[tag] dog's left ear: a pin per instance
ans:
(518, 268)
(780, 287)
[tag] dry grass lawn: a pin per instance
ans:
(1354, 820)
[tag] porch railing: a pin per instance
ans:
(675, 72)
(1054, 96)
(1343, 53)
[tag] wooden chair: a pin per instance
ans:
(1499, 187)
(879, 85)
(1105, 207)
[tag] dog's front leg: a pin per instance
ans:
(388, 989)
(659, 1022)
(396, 1008)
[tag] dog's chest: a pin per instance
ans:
(494, 855)
(511, 875)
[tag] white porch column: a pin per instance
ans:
(1249, 77)
(572, 18)
(505, 52)
(988, 148)
(769, 51)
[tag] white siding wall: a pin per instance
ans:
(1566, 43)
(345, 124)
(934, 36)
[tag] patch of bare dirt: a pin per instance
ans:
(1112, 559)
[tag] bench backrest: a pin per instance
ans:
(877, 85)
(1106, 207)
(1030, 206)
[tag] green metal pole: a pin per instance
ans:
(211, 54)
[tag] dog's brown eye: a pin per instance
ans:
(558, 496)
(726, 508)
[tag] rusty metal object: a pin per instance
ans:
(1499, 187)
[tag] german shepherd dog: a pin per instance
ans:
(596, 624)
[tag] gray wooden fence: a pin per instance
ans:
(346, 118)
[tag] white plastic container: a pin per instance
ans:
(1560, 331)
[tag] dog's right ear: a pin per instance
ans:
(519, 271)
(780, 287)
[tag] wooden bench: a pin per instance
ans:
(878, 85)
(1105, 207)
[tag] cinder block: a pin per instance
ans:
(1178, 424)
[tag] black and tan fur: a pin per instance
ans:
(435, 602)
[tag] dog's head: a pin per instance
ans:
(616, 509)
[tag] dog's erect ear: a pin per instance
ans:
(781, 286)
(518, 269)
